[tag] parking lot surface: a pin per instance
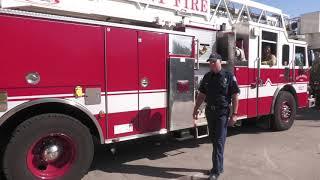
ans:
(251, 153)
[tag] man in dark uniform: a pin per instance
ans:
(218, 89)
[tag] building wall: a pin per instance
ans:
(310, 23)
(313, 40)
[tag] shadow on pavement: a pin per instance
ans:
(147, 148)
(141, 149)
(312, 114)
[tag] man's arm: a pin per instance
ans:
(273, 60)
(200, 98)
(235, 103)
(201, 95)
(235, 91)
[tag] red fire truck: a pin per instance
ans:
(78, 72)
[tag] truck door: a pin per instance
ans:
(301, 74)
(136, 82)
(286, 67)
(267, 71)
(152, 81)
(122, 82)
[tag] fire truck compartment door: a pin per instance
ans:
(181, 95)
(152, 81)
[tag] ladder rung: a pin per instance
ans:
(203, 123)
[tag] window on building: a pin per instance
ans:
(285, 55)
(269, 48)
(300, 56)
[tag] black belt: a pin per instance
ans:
(215, 108)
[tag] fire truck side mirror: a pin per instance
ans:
(311, 57)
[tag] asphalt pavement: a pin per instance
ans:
(251, 153)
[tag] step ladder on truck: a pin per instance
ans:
(104, 71)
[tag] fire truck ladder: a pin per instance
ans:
(246, 10)
(153, 12)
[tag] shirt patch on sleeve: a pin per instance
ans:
(235, 79)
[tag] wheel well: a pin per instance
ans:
(10, 124)
(287, 88)
(291, 90)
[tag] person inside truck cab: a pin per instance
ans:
(299, 59)
(268, 58)
(240, 52)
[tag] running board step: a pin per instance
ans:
(202, 130)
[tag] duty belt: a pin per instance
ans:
(214, 108)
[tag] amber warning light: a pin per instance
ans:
(78, 92)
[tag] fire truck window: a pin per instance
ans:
(241, 51)
(269, 51)
(285, 55)
(180, 45)
(300, 56)
(269, 36)
(269, 48)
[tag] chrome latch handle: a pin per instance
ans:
(144, 82)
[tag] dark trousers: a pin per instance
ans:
(217, 123)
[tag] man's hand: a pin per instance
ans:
(200, 98)
(195, 114)
(232, 121)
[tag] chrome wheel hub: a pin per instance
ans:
(285, 111)
(51, 153)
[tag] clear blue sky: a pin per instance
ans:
(293, 8)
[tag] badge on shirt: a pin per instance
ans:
(225, 81)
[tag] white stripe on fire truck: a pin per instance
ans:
(269, 90)
(153, 100)
(136, 91)
(122, 92)
(120, 102)
(40, 96)
(134, 102)
(94, 109)
(157, 90)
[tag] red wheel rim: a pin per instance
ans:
(51, 157)
(286, 111)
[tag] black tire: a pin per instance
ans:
(282, 120)
(34, 129)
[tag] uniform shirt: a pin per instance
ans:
(219, 88)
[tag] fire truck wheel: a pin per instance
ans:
(285, 111)
(49, 146)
